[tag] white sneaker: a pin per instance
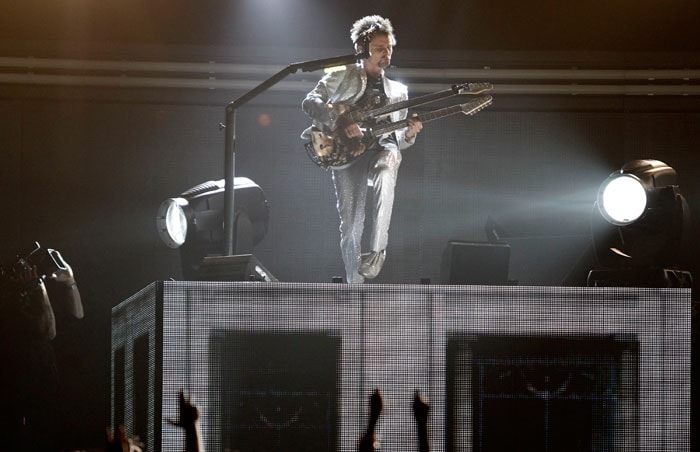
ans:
(371, 263)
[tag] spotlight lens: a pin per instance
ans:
(622, 199)
(172, 222)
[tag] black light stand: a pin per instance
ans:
(230, 130)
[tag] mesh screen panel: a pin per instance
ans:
(291, 366)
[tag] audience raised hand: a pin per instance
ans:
(369, 443)
(420, 412)
(189, 421)
(119, 442)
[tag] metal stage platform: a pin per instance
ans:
(291, 366)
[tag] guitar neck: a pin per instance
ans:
(468, 108)
(474, 88)
(414, 102)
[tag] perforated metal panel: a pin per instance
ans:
(300, 361)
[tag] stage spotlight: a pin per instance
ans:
(640, 223)
(194, 221)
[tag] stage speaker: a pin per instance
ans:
(465, 263)
(640, 277)
(241, 267)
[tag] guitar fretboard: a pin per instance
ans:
(465, 88)
(468, 108)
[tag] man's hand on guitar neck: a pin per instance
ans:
(414, 126)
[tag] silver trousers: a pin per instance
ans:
(379, 170)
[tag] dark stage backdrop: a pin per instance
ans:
(84, 169)
(84, 172)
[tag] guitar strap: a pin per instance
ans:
(375, 96)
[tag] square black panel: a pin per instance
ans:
(543, 393)
(277, 391)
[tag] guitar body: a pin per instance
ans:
(330, 151)
(334, 149)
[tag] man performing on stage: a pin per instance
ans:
(376, 163)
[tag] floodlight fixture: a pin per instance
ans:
(640, 219)
(171, 221)
(194, 221)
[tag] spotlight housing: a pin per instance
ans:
(622, 199)
(171, 222)
(640, 218)
(194, 221)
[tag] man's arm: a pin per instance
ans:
(74, 304)
(189, 421)
(368, 440)
(316, 105)
(37, 306)
(420, 412)
(414, 126)
(405, 137)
